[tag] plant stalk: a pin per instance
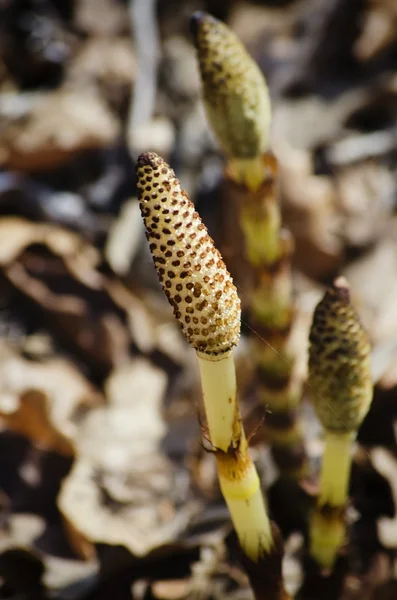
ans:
(268, 249)
(218, 382)
(327, 527)
(335, 468)
(238, 478)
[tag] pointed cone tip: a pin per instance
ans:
(147, 158)
(197, 19)
(341, 287)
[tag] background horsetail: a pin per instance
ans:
(237, 104)
(341, 390)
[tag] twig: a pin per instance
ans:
(146, 36)
(362, 147)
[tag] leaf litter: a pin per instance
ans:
(105, 487)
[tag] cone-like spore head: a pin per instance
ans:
(339, 362)
(190, 268)
(235, 93)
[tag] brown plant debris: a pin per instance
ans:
(59, 273)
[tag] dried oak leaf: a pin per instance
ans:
(122, 490)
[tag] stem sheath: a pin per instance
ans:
(241, 490)
(327, 527)
(238, 479)
(335, 470)
(218, 382)
(327, 535)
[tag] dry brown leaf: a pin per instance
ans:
(22, 532)
(89, 16)
(32, 420)
(171, 589)
(378, 29)
(54, 127)
(310, 120)
(108, 61)
(366, 194)
(310, 213)
(17, 233)
(61, 573)
(101, 338)
(373, 280)
(142, 521)
(92, 311)
(141, 324)
(122, 490)
(251, 22)
(80, 544)
(42, 400)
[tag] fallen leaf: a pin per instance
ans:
(42, 400)
(310, 212)
(59, 272)
(122, 490)
(54, 127)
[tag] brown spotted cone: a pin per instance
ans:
(190, 268)
(339, 362)
(234, 90)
